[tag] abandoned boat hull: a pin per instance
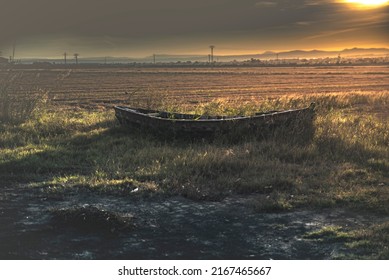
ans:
(163, 122)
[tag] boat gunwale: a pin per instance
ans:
(210, 118)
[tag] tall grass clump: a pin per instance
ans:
(16, 104)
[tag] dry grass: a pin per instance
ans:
(16, 107)
(346, 163)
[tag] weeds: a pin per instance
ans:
(15, 106)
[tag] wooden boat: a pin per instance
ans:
(167, 122)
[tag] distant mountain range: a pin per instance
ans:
(165, 58)
(355, 52)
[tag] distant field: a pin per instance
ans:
(94, 88)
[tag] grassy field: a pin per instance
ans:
(345, 165)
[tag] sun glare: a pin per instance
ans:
(368, 3)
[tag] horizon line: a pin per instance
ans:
(206, 55)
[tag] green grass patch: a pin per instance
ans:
(366, 243)
(372, 243)
(331, 234)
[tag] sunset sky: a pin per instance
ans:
(136, 28)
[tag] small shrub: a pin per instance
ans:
(17, 106)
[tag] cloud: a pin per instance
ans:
(303, 23)
(360, 27)
(266, 4)
(316, 2)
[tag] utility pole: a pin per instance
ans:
(64, 56)
(154, 58)
(76, 57)
(13, 51)
(211, 47)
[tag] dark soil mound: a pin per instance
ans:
(92, 219)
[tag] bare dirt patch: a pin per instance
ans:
(163, 228)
